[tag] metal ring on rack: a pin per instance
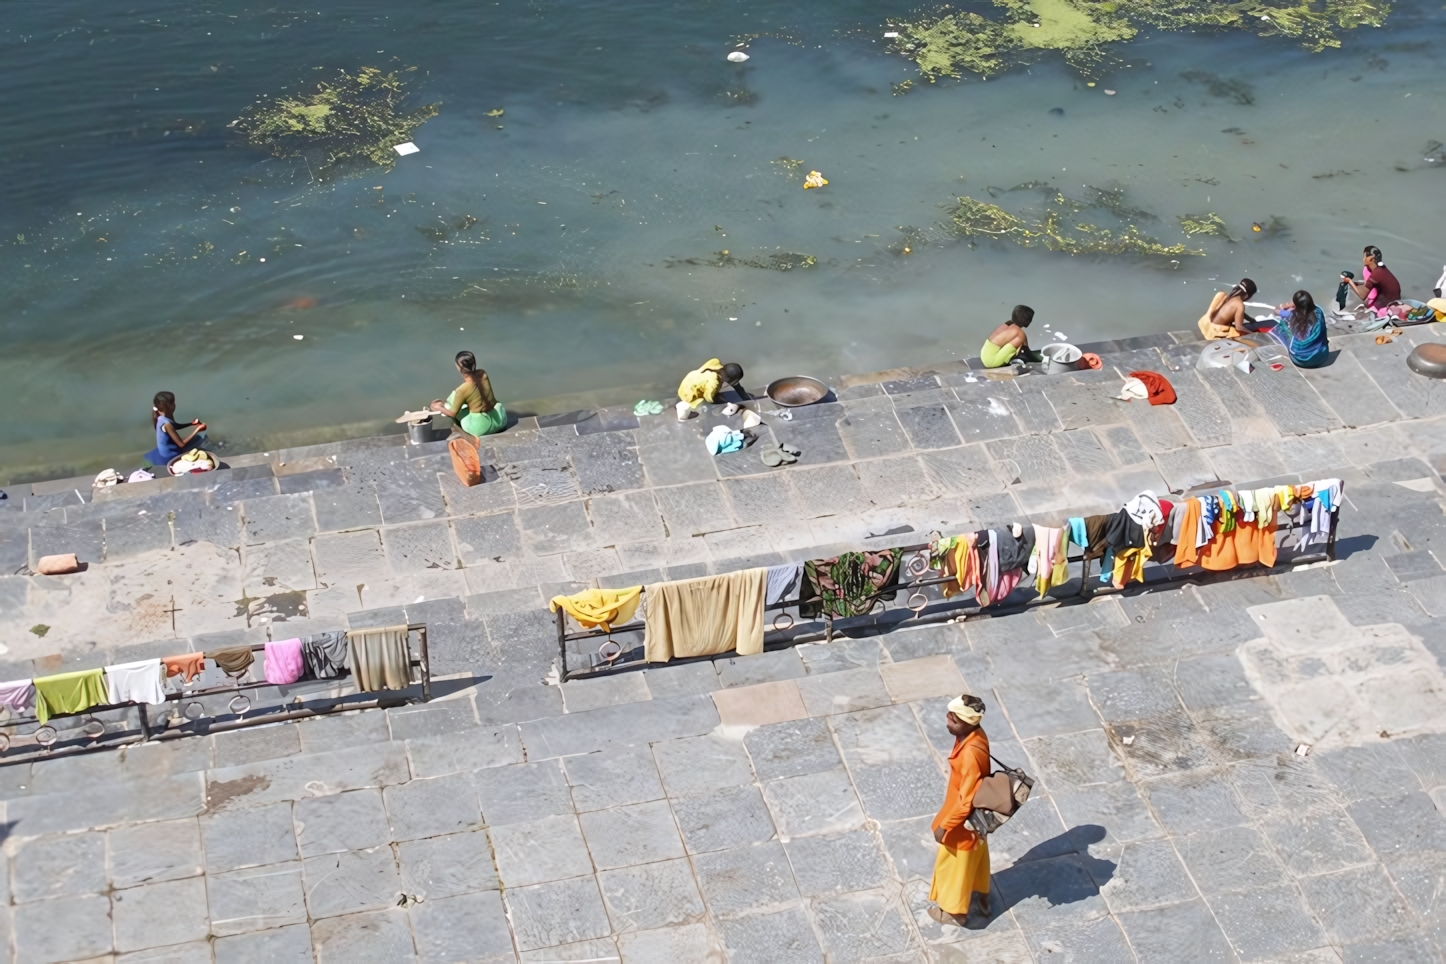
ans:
(46, 735)
(239, 704)
(878, 605)
(918, 565)
(4, 742)
(193, 711)
(93, 729)
(610, 657)
(923, 601)
(787, 626)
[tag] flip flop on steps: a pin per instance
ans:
(776, 455)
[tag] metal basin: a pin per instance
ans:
(796, 390)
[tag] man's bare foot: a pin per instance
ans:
(984, 905)
(942, 916)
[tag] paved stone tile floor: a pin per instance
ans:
(1228, 769)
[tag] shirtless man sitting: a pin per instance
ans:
(1009, 340)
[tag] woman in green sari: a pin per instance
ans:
(472, 405)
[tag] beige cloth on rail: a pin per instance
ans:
(701, 617)
(380, 659)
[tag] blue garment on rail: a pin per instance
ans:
(1077, 532)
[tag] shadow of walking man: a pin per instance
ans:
(1056, 872)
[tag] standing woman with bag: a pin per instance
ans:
(472, 405)
(962, 867)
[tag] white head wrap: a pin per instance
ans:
(965, 712)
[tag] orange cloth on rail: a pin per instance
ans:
(962, 866)
(187, 666)
(1185, 552)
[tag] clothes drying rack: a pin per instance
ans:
(189, 714)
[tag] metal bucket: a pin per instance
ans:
(1060, 358)
(420, 433)
(796, 390)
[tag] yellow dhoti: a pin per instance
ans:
(958, 874)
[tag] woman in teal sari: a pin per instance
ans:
(472, 405)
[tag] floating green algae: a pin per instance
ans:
(1208, 223)
(951, 43)
(355, 117)
(772, 261)
(1058, 229)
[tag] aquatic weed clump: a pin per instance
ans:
(355, 117)
(950, 43)
(1059, 229)
(1208, 223)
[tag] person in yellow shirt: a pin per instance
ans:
(703, 383)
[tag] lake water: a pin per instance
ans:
(134, 222)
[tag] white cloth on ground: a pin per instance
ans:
(143, 681)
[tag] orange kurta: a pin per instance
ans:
(962, 866)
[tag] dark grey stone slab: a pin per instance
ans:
(408, 492)
(351, 882)
(673, 453)
(1231, 860)
(1401, 825)
(247, 838)
(350, 506)
(131, 534)
(837, 863)
(791, 749)
(524, 792)
(416, 548)
(692, 765)
(1414, 397)
(777, 937)
(762, 668)
(433, 808)
(928, 427)
(626, 518)
(1029, 459)
(1265, 924)
(862, 927)
(817, 438)
(170, 913)
(495, 538)
(745, 878)
(607, 462)
(986, 413)
(550, 529)
(723, 819)
(623, 724)
(86, 539)
(642, 833)
(964, 471)
(1288, 400)
(284, 945)
(561, 912)
(1177, 932)
(229, 489)
(872, 434)
(69, 866)
(379, 937)
(66, 929)
(470, 927)
(256, 899)
(1357, 904)
(277, 517)
(311, 481)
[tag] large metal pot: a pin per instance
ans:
(796, 390)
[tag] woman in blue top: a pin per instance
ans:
(1302, 330)
(169, 443)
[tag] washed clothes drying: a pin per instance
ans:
(780, 581)
(18, 696)
(187, 666)
(849, 584)
(68, 693)
(600, 607)
(705, 616)
(140, 682)
(233, 660)
(380, 659)
(326, 654)
(283, 662)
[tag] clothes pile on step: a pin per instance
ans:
(1216, 531)
(377, 659)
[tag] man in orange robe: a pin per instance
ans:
(962, 867)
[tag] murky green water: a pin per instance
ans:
(134, 222)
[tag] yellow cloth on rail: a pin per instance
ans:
(600, 607)
(705, 616)
(701, 385)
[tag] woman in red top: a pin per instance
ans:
(1379, 288)
(962, 866)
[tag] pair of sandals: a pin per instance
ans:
(782, 454)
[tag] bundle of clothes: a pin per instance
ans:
(377, 658)
(1216, 531)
